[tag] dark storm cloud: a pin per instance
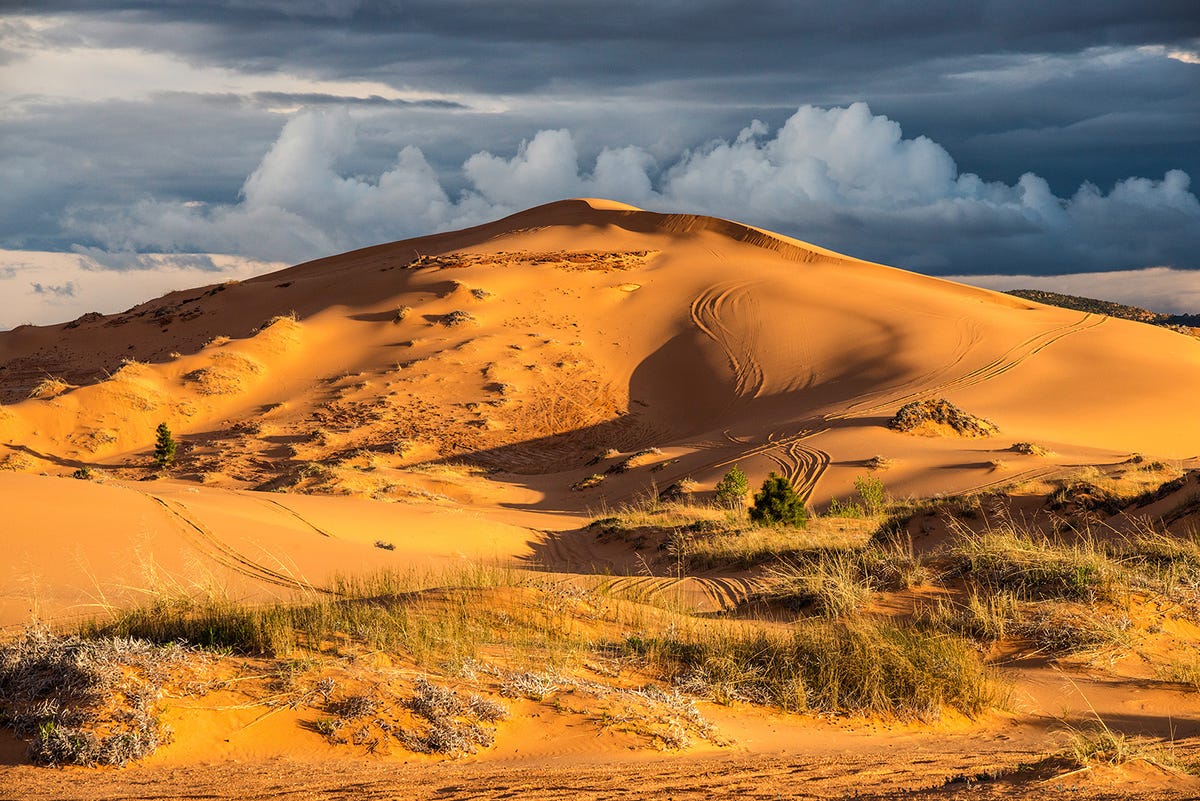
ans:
(642, 100)
(275, 99)
(911, 61)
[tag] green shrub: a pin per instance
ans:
(874, 497)
(731, 490)
(164, 446)
(777, 502)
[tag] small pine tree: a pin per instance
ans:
(777, 502)
(164, 446)
(732, 488)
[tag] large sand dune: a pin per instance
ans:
(528, 343)
(491, 367)
(478, 396)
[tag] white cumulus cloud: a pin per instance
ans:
(843, 177)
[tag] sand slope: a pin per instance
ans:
(526, 344)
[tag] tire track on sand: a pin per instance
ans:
(1033, 474)
(295, 514)
(207, 543)
(1011, 358)
(707, 311)
(717, 594)
(802, 465)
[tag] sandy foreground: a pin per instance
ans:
(480, 397)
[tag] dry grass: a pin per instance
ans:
(712, 536)
(840, 583)
(84, 701)
(828, 666)
(1061, 597)
(825, 665)
(49, 387)
(1032, 567)
(834, 587)
(1098, 744)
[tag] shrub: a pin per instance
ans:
(874, 497)
(919, 415)
(731, 490)
(82, 702)
(164, 446)
(777, 502)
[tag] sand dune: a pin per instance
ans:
(587, 324)
(490, 366)
(481, 395)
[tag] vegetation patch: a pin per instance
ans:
(643, 457)
(587, 482)
(778, 503)
(85, 701)
(829, 666)
(840, 583)
(1084, 497)
(1013, 560)
(49, 387)
(1098, 744)
(940, 416)
(456, 318)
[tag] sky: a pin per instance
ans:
(149, 146)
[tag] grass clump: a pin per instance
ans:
(828, 666)
(1059, 629)
(840, 583)
(49, 387)
(834, 587)
(1161, 560)
(1013, 560)
(1097, 743)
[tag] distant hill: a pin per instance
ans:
(1105, 307)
